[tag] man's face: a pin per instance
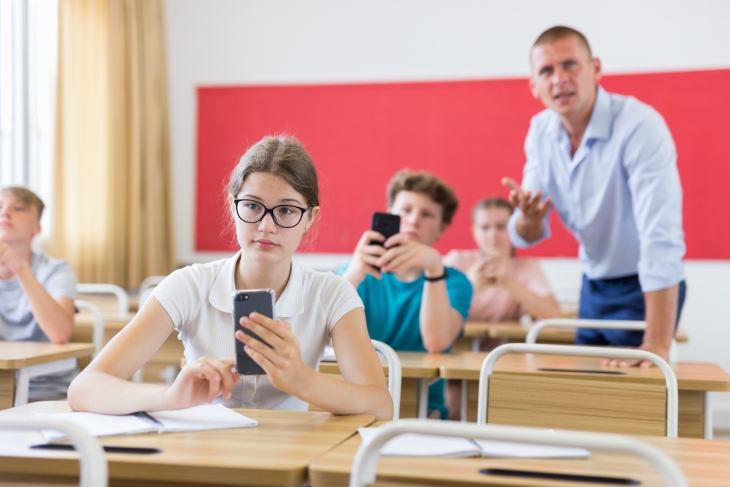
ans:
(564, 77)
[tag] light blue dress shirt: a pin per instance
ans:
(619, 194)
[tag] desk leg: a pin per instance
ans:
(708, 418)
(422, 398)
(464, 401)
(475, 344)
(7, 389)
(423, 385)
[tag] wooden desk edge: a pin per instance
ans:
(79, 350)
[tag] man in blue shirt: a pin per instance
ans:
(412, 302)
(607, 163)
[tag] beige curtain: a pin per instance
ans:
(113, 218)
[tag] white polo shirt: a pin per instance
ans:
(198, 299)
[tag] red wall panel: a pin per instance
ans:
(470, 133)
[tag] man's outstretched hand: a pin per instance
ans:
(531, 206)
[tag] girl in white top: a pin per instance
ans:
(273, 200)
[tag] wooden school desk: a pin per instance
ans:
(694, 380)
(276, 452)
(704, 463)
(18, 355)
(420, 369)
(167, 356)
(513, 331)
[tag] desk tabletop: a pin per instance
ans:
(276, 452)
(516, 332)
(704, 463)
(16, 355)
(691, 376)
(415, 365)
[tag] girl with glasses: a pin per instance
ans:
(273, 200)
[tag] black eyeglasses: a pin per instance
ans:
(286, 216)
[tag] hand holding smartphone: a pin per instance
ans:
(245, 302)
(387, 224)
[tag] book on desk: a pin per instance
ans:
(198, 418)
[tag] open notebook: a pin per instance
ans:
(198, 418)
(419, 445)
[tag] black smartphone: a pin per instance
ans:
(246, 302)
(386, 224)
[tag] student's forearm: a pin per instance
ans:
(529, 229)
(342, 397)
(661, 316)
(56, 322)
(543, 306)
(440, 324)
(107, 394)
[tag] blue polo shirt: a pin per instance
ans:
(392, 311)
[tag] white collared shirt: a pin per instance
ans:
(198, 299)
(620, 194)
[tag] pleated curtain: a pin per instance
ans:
(113, 217)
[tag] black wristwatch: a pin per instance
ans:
(437, 278)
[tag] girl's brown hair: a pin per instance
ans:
(283, 156)
(491, 202)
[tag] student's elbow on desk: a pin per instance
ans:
(435, 344)
(76, 392)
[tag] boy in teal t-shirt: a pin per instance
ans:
(412, 302)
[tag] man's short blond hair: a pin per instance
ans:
(559, 32)
(25, 197)
(425, 183)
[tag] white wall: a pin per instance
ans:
(220, 42)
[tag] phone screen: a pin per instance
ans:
(246, 302)
(386, 224)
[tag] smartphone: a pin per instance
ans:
(386, 224)
(246, 302)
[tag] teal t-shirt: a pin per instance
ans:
(392, 311)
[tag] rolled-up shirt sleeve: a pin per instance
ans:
(530, 182)
(650, 160)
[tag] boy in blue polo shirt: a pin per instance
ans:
(412, 301)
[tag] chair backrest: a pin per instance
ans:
(395, 374)
(93, 471)
(672, 393)
(144, 295)
(582, 323)
(366, 458)
(121, 294)
(97, 333)
(150, 282)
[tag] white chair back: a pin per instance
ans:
(366, 458)
(603, 352)
(582, 323)
(150, 282)
(121, 294)
(395, 374)
(97, 333)
(144, 295)
(93, 471)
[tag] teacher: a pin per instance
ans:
(607, 163)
